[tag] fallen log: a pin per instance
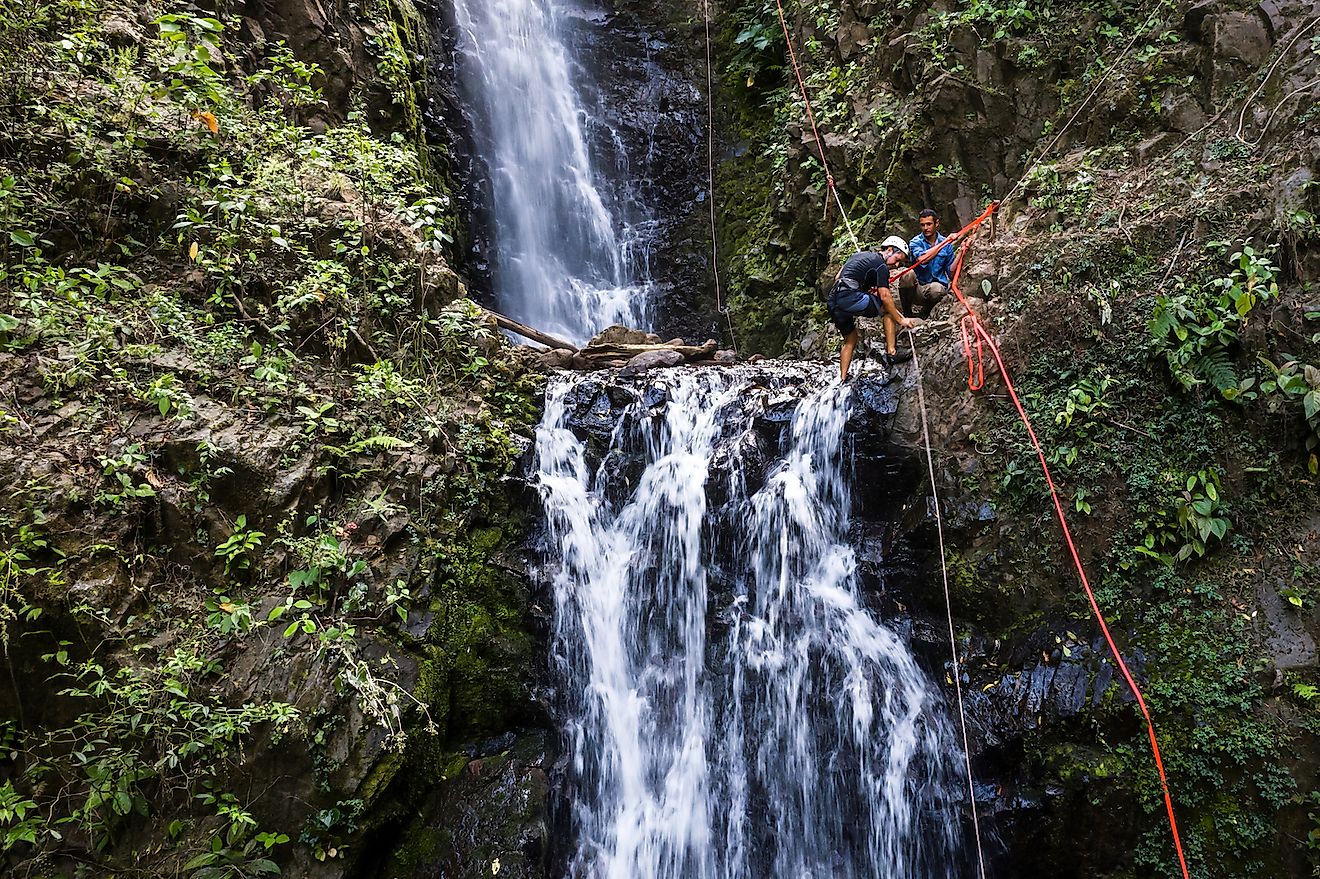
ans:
(612, 351)
(532, 333)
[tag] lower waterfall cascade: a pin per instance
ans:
(731, 708)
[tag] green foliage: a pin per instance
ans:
(1222, 756)
(1085, 402)
(758, 42)
(326, 829)
(1197, 329)
(122, 474)
(180, 259)
(289, 80)
(1198, 511)
(19, 819)
(1298, 384)
(149, 739)
(1004, 17)
(239, 852)
(192, 49)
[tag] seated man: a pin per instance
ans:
(861, 289)
(930, 282)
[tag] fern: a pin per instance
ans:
(379, 442)
(1216, 368)
(1170, 313)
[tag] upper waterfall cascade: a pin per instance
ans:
(732, 708)
(571, 249)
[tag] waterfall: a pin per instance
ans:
(731, 708)
(568, 258)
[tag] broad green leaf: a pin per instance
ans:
(1311, 404)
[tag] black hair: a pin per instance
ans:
(927, 212)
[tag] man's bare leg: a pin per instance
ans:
(893, 319)
(846, 356)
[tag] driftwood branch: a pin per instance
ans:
(615, 347)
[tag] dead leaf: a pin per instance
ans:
(207, 117)
(192, 252)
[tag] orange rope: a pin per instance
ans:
(973, 328)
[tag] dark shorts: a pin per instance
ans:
(846, 304)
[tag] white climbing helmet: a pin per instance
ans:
(897, 243)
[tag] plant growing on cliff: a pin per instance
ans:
(190, 80)
(289, 80)
(1199, 514)
(1298, 384)
(236, 549)
(1197, 328)
(759, 41)
(19, 819)
(121, 472)
(149, 736)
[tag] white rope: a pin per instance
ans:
(847, 224)
(948, 606)
(710, 166)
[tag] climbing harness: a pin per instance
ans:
(975, 341)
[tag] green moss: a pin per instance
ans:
(1075, 764)
(479, 653)
(399, 46)
(380, 777)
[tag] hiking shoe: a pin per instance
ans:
(902, 355)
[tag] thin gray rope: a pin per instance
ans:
(948, 606)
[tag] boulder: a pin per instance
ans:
(650, 360)
(559, 358)
(620, 335)
(1238, 36)
(1180, 111)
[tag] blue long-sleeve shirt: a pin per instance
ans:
(937, 270)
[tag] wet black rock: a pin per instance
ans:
(490, 816)
(655, 398)
(594, 408)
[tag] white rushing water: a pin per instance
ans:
(732, 708)
(566, 261)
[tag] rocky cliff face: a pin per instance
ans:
(1187, 472)
(258, 600)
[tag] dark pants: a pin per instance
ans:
(919, 299)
